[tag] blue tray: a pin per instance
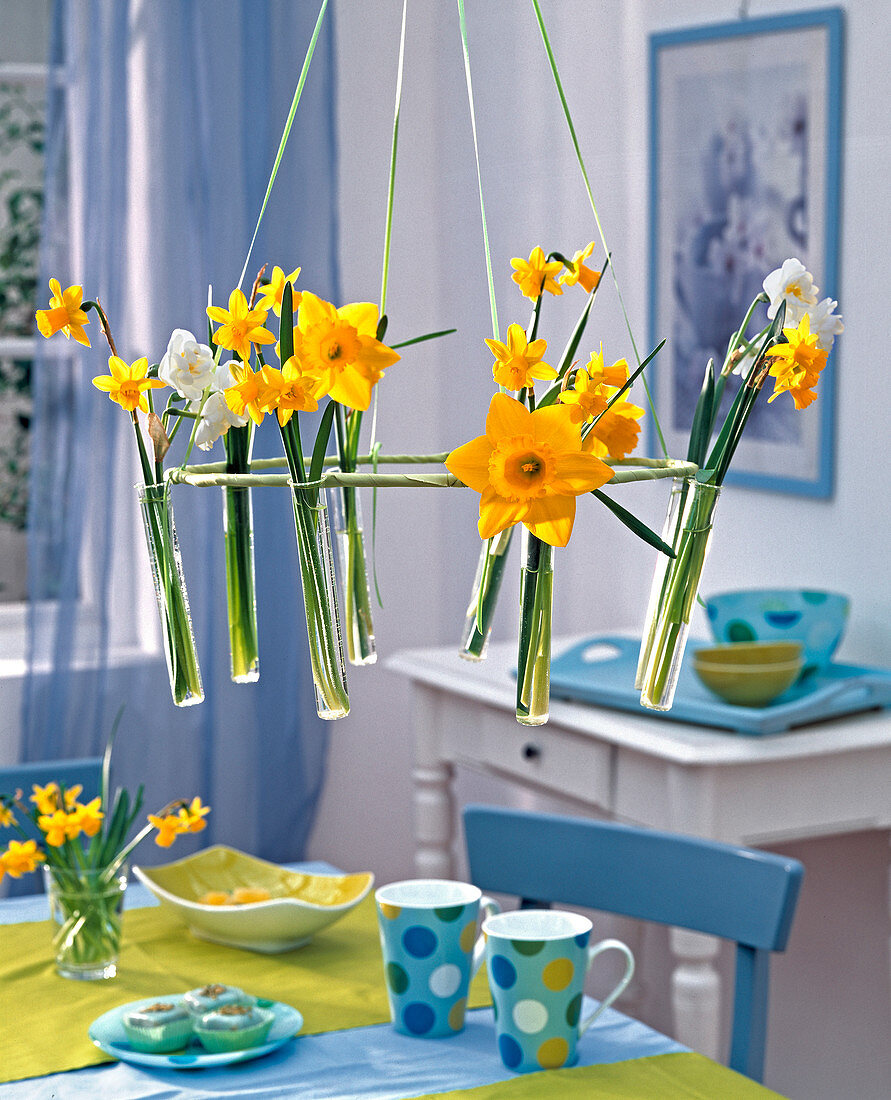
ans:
(601, 670)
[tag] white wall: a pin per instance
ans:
(436, 398)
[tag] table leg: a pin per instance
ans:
(434, 820)
(696, 992)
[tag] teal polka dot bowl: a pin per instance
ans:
(814, 618)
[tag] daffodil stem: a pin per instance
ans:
(484, 598)
(665, 638)
(241, 601)
(534, 649)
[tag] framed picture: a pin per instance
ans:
(745, 126)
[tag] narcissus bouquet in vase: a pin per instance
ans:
(538, 456)
(791, 350)
(83, 845)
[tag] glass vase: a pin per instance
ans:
(534, 648)
(312, 520)
(665, 636)
(171, 595)
(671, 531)
(350, 536)
(241, 589)
(85, 914)
(484, 598)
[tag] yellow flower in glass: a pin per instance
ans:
(247, 395)
(125, 384)
(240, 327)
(89, 816)
(289, 390)
(529, 467)
(169, 828)
(797, 364)
(616, 431)
(340, 346)
(536, 275)
(46, 799)
(518, 363)
(20, 858)
(59, 827)
(64, 314)
(271, 293)
(577, 272)
(192, 816)
(7, 817)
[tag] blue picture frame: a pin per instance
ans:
(745, 170)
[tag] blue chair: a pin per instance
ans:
(86, 772)
(738, 894)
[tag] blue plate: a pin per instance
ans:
(107, 1032)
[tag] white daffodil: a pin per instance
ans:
(825, 323)
(216, 419)
(222, 377)
(187, 366)
(793, 284)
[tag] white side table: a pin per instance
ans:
(824, 779)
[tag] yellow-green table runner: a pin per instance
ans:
(686, 1076)
(336, 981)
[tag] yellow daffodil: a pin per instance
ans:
(64, 314)
(240, 327)
(341, 348)
(169, 828)
(59, 827)
(615, 432)
(71, 796)
(518, 363)
(271, 293)
(585, 399)
(20, 858)
(248, 393)
(577, 272)
(192, 816)
(89, 816)
(46, 799)
(797, 364)
(125, 384)
(289, 390)
(7, 817)
(615, 376)
(536, 275)
(529, 467)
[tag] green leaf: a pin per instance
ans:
(421, 339)
(317, 462)
(701, 429)
(286, 327)
(636, 526)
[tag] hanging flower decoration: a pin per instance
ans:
(65, 314)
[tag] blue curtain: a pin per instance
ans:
(162, 131)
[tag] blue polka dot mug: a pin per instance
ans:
(537, 960)
(431, 950)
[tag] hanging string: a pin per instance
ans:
(578, 152)
(492, 306)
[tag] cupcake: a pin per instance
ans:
(233, 1027)
(199, 1001)
(158, 1028)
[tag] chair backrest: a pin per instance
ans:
(738, 894)
(86, 772)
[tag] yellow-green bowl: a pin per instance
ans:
(747, 684)
(749, 653)
(299, 905)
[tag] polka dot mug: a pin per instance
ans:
(431, 950)
(537, 961)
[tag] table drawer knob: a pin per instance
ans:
(531, 751)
